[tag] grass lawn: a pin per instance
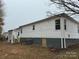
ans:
(17, 51)
(70, 53)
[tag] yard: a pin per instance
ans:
(18, 51)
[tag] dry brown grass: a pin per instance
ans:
(70, 53)
(18, 51)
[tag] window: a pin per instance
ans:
(18, 33)
(57, 24)
(33, 27)
(65, 24)
(21, 30)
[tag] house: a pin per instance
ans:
(58, 31)
(5, 34)
(13, 35)
(10, 36)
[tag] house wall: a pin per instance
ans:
(44, 29)
(72, 29)
(71, 42)
(70, 35)
(10, 37)
(53, 42)
(15, 34)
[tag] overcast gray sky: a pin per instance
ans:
(20, 12)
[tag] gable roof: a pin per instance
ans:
(59, 15)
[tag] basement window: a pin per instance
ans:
(33, 27)
(57, 24)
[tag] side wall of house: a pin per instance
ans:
(44, 29)
(71, 34)
(71, 29)
(47, 29)
(44, 33)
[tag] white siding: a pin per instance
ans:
(10, 36)
(46, 29)
(13, 35)
(72, 29)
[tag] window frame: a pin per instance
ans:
(33, 27)
(57, 24)
(65, 25)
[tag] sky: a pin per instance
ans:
(20, 12)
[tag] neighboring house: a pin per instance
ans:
(10, 36)
(17, 33)
(14, 35)
(59, 31)
(5, 34)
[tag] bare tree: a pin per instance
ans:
(1, 16)
(71, 6)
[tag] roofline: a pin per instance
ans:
(13, 29)
(59, 15)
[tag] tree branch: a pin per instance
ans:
(69, 5)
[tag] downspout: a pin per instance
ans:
(63, 39)
(64, 30)
(61, 29)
